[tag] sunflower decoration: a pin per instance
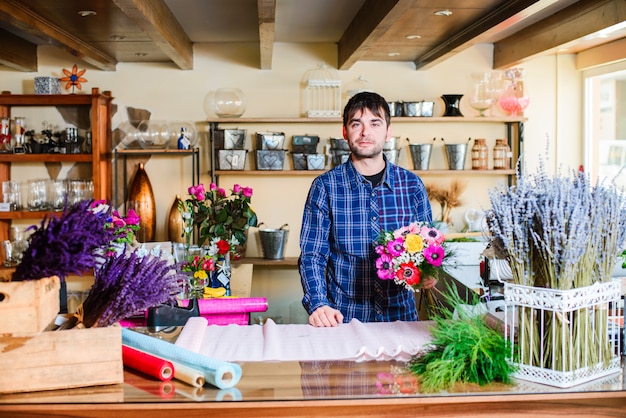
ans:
(73, 78)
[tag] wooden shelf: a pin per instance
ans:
(435, 119)
(259, 261)
(258, 173)
(165, 151)
(39, 158)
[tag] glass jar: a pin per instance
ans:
(480, 155)
(5, 135)
(501, 155)
(514, 98)
(19, 130)
(229, 103)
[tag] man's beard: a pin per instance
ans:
(365, 153)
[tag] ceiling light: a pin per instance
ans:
(118, 37)
(413, 36)
(84, 13)
(140, 54)
(443, 12)
(393, 54)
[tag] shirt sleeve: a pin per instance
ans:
(314, 247)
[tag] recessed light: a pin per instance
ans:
(85, 13)
(443, 12)
(413, 36)
(140, 54)
(393, 54)
(118, 37)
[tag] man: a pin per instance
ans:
(346, 210)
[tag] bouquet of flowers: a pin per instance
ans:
(203, 265)
(217, 215)
(123, 228)
(411, 253)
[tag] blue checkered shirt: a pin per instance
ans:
(343, 217)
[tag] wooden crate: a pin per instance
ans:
(61, 359)
(28, 307)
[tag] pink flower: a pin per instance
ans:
(396, 247)
(384, 267)
(247, 191)
(118, 222)
(432, 235)
(434, 255)
(221, 192)
(212, 186)
(236, 189)
(380, 249)
(197, 191)
(132, 218)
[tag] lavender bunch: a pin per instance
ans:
(127, 284)
(65, 245)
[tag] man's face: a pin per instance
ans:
(366, 134)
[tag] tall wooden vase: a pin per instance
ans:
(141, 199)
(175, 222)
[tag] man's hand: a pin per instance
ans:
(429, 282)
(325, 316)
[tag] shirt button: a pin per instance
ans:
(373, 218)
(373, 194)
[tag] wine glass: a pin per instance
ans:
(481, 94)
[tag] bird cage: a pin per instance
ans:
(357, 86)
(322, 92)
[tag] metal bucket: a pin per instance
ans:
(456, 156)
(420, 153)
(273, 242)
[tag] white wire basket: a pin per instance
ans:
(563, 338)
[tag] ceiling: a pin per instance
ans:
(103, 33)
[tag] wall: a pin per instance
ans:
(553, 130)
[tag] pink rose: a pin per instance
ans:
(212, 186)
(247, 191)
(197, 191)
(236, 189)
(221, 192)
(132, 218)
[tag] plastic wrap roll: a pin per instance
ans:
(218, 373)
(189, 375)
(147, 363)
(192, 334)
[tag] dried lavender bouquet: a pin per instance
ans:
(65, 244)
(129, 283)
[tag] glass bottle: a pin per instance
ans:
(18, 135)
(5, 135)
(501, 155)
(480, 155)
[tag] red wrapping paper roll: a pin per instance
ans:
(147, 363)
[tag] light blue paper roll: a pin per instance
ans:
(220, 374)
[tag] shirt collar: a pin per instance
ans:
(357, 178)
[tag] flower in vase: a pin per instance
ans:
(215, 214)
(123, 228)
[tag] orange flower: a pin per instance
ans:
(73, 78)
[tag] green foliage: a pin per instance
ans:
(464, 350)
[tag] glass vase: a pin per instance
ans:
(514, 98)
(221, 276)
(501, 155)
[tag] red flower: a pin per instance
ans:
(223, 247)
(409, 274)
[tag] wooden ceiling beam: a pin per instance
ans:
(267, 30)
(470, 34)
(17, 53)
(158, 22)
(27, 20)
(370, 23)
(577, 21)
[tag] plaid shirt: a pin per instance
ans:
(343, 217)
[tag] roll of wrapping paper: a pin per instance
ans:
(147, 363)
(189, 375)
(192, 334)
(218, 373)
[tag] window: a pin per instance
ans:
(605, 122)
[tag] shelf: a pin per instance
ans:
(40, 158)
(8, 99)
(165, 151)
(435, 119)
(259, 261)
(258, 173)
(26, 214)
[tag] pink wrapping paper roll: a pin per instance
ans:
(147, 363)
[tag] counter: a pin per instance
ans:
(318, 388)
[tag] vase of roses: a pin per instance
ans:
(208, 267)
(212, 214)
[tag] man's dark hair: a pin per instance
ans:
(367, 100)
